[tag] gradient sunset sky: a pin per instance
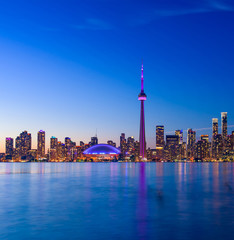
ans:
(71, 67)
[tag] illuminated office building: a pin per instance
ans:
(191, 140)
(183, 150)
(228, 147)
(154, 154)
(160, 143)
(179, 133)
(214, 138)
(130, 145)
(215, 126)
(232, 141)
(217, 147)
(23, 143)
(53, 155)
(171, 147)
(9, 146)
(94, 141)
(123, 144)
(61, 150)
(224, 124)
(68, 146)
(53, 142)
(199, 150)
(160, 136)
(41, 144)
(202, 148)
(137, 149)
(149, 154)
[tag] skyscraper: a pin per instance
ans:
(224, 124)
(160, 136)
(68, 146)
(171, 148)
(41, 144)
(130, 145)
(9, 146)
(215, 137)
(160, 143)
(24, 143)
(123, 144)
(142, 98)
(191, 140)
(53, 142)
(94, 141)
(180, 134)
(214, 126)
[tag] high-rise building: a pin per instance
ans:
(218, 144)
(9, 146)
(183, 150)
(224, 124)
(191, 140)
(23, 143)
(94, 141)
(123, 144)
(130, 145)
(142, 98)
(171, 148)
(232, 140)
(215, 132)
(137, 149)
(160, 143)
(60, 150)
(41, 144)
(68, 146)
(228, 147)
(199, 150)
(179, 133)
(160, 136)
(215, 126)
(53, 142)
(202, 148)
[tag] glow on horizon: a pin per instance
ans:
(69, 75)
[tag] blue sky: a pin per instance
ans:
(71, 67)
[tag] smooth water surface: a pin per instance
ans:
(116, 201)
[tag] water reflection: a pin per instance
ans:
(116, 200)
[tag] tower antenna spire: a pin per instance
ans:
(142, 77)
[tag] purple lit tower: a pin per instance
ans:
(142, 98)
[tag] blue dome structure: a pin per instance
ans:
(102, 149)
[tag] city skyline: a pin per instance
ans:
(35, 137)
(173, 147)
(73, 71)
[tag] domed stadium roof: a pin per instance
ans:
(102, 149)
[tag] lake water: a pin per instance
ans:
(116, 201)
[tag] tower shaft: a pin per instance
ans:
(142, 132)
(142, 98)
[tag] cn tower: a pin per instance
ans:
(142, 98)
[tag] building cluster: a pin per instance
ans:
(58, 151)
(220, 146)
